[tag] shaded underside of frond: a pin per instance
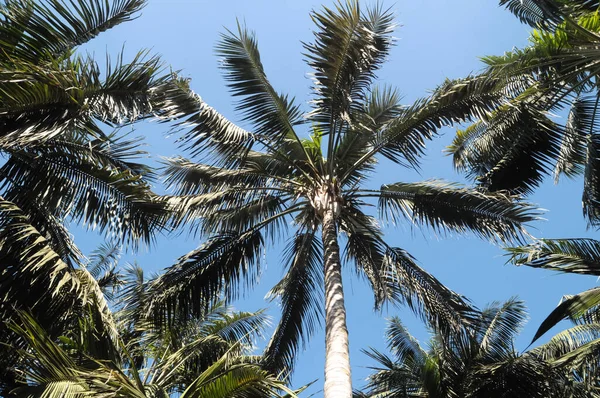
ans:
(450, 207)
(580, 256)
(201, 277)
(37, 30)
(301, 295)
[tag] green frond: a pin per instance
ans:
(392, 379)
(301, 295)
(238, 326)
(425, 295)
(30, 264)
(402, 139)
(349, 48)
(241, 380)
(365, 248)
(381, 106)
(449, 207)
(512, 151)
(571, 307)
(210, 135)
(203, 275)
(567, 341)
(41, 102)
(580, 122)
(403, 345)
(273, 114)
(184, 177)
(75, 185)
(591, 181)
(38, 30)
(534, 12)
(579, 256)
(501, 323)
(49, 225)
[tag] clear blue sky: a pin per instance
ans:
(437, 39)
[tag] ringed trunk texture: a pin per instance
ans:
(338, 382)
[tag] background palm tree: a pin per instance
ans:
(59, 164)
(520, 142)
(208, 356)
(480, 361)
(248, 184)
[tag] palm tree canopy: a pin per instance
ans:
(208, 356)
(244, 188)
(60, 164)
(480, 361)
(514, 147)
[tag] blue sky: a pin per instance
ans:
(437, 39)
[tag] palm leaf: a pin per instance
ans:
(579, 256)
(349, 47)
(210, 133)
(403, 138)
(34, 30)
(572, 307)
(200, 277)
(572, 153)
(300, 292)
(450, 207)
(425, 295)
(273, 114)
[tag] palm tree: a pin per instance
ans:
(516, 145)
(60, 165)
(480, 361)
(247, 185)
(196, 358)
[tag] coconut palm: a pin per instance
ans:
(480, 361)
(59, 164)
(514, 147)
(303, 175)
(209, 356)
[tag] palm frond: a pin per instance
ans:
(403, 345)
(591, 181)
(403, 138)
(579, 256)
(349, 48)
(449, 207)
(80, 182)
(209, 134)
(30, 264)
(567, 341)
(49, 225)
(273, 114)
(571, 307)
(221, 380)
(426, 296)
(534, 12)
(580, 122)
(203, 275)
(392, 379)
(235, 327)
(37, 30)
(301, 295)
(41, 102)
(381, 106)
(366, 249)
(501, 324)
(513, 150)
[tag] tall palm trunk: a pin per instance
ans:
(338, 383)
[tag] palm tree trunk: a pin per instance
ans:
(338, 383)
